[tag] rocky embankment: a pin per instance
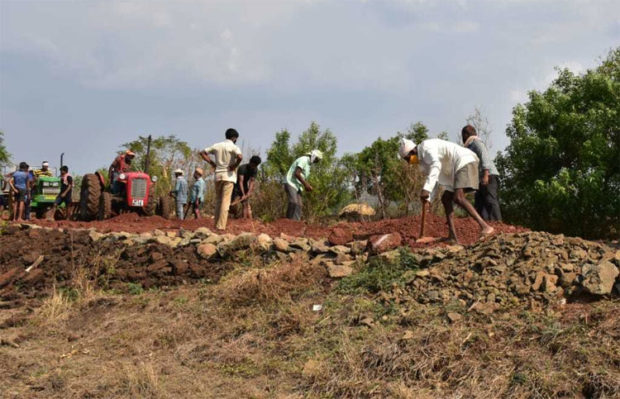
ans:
(506, 270)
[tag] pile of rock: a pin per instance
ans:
(508, 270)
(338, 254)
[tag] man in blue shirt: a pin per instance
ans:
(486, 199)
(197, 194)
(180, 192)
(20, 185)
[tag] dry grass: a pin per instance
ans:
(140, 381)
(279, 282)
(254, 335)
(53, 309)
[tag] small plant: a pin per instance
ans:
(379, 275)
(135, 289)
(69, 293)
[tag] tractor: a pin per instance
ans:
(136, 194)
(44, 194)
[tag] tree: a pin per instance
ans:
(378, 170)
(167, 153)
(562, 169)
(5, 157)
(328, 177)
(482, 126)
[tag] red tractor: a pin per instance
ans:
(135, 193)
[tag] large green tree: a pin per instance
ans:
(5, 157)
(562, 167)
(328, 177)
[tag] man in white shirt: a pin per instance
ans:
(227, 158)
(451, 166)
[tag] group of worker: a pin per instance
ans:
(22, 182)
(458, 169)
(234, 182)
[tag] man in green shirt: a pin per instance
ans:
(296, 182)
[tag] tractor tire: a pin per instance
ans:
(165, 207)
(89, 197)
(105, 206)
(151, 206)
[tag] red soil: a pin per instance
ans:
(409, 227)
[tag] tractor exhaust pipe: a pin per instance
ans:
(62, 157)
(147, 159)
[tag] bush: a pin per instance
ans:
(562, 169)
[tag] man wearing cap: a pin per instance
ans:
(121, 164)
(180, 192)
(486, 200)
(197, 194)
(227, 158)
(44, 171)
(454, 168)
(296, 182)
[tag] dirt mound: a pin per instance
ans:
(32, 261)
(408, 227)
(535, 269)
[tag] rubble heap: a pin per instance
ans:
(532, 268)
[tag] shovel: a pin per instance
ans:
(422, 239)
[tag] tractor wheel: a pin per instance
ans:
(90, 197)
(151, 206)
(105, 206)
(165, 207)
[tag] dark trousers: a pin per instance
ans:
(487, 200)
(294, 202)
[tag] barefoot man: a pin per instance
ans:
(451, 166)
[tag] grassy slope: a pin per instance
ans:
(254, 335)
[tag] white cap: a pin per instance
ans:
(316, 154)
(179, 172)
(45, 163)
(406, 146)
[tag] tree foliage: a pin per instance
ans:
(328, 177)
(167, 154)
(378, 170)
(481, 123)
(562, 167)
(5, 157)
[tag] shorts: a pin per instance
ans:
(21, 195)
(59, 200)
(467, 178)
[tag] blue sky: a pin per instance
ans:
(83, 77)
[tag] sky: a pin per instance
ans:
(84, 77)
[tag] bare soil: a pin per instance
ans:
(70, 254)
(408, 227)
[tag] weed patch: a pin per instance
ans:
(379, 275)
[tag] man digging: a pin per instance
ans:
(296, 182)
(451, 166)
(246, 177)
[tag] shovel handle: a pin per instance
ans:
(423, 219)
